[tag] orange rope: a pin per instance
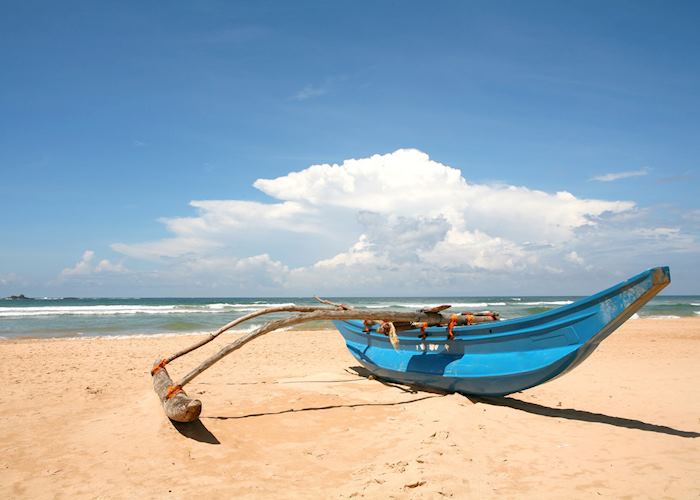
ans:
(450, 327)
(423, 326)
(470, 319)
(173, 390)
(159, 366)
(367, 324)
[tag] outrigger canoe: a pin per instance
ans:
(503, 357)
(483, 357)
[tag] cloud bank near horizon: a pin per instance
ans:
(397, 223)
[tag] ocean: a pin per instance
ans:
(97, 317)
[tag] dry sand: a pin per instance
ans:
(287, 417)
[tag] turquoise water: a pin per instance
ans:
(74, 317)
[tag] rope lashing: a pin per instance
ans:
(383, 328)
(470, 318)
(451, 325)
(173, 390)
(366, 324)
(388, 329)
(159, 366)
(422, 326)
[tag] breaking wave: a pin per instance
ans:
(421, 306)
(112, 310)
(548, 303)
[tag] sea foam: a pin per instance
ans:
(548, 303)
(102, 310)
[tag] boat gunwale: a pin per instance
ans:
(515, 326)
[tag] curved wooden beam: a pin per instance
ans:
(178, 406)
(242, 319)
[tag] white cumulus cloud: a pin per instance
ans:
(574, 258)
(86, 266)
(398, 218)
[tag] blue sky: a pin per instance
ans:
(116, 116)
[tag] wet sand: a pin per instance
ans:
(289, 416)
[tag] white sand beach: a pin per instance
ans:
(289, 417)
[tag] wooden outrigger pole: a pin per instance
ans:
(181, 408)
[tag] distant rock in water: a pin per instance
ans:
(18, 297)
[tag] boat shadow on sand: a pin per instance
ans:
(581, 415)
(198, 431)
(548, 411)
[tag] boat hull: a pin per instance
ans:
(503, 357)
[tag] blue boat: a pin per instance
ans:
(503, 357)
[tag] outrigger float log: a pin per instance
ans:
(469, 353)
